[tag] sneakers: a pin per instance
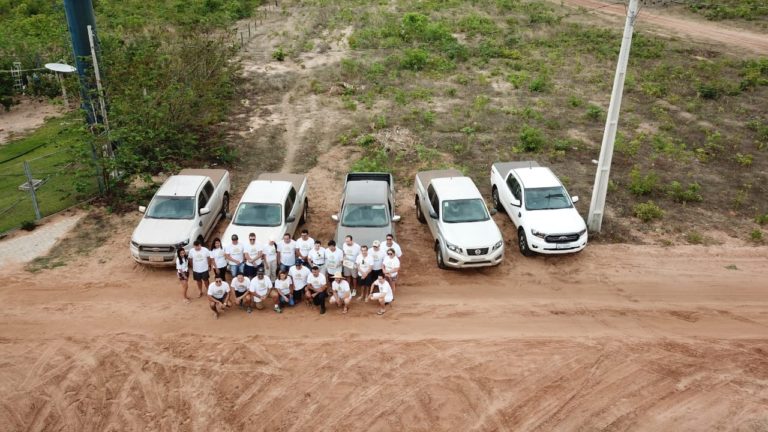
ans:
(277, 309)
(354, 292)
(249, 310)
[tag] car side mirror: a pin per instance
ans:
(204, 211)
(515, 202)
(142, 209)
(396, 218)
(432, 214)
(290, 219)
(493, 211)
(575, 199)
(335, 218)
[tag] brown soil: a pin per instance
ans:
(27, 115)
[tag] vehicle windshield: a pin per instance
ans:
(163, 207)
(253, 214)
(549, 198)
(365, 215)
(464, 210)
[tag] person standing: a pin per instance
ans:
(377, 254)
(182, 272)
(286, 253)
(235, 255)
(270, 259)
(383, 295)
(317, 257)
(318, 288)
(217, 296)
(284, 288)
(341, 293)
(260, 289)
(239, 290)
(390, 243)
(219, 261)
(391, 268)
(333, 259)
(252, 255)
(304, 244)
(364, 266)
(351, 251)
(201, 265)
(299, 274)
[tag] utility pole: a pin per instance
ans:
(597, 205)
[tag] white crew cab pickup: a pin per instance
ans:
(272, 205)
(541, 209)
(186, 207)
(464, 232)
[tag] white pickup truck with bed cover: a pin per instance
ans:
(187, 206)
(541, 209)
(464, 232)
(272, 205)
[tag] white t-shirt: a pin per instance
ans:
(235, 251)
(304, 246)
(287, 252)
(378, 257)
(317, 283)
(283, 285)
(333, 260)
(241, 286)
(199, 259)
(364, 264)
(218, 257)
(385, 289)
(317, 256)
(218, 291)
(270, 252)
(395, 246)
(183, 267)
(260, 286)
(350, 254)
(253, 251)
(299, 277)
(391, 263)
(341, 288)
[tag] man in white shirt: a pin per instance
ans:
(260, 289)
(252, 254)
(378, 258)
(390, 243)
(333, 259)
(217, 296)
(235, 255)
(318, 288)
(200, 257)
(299, 273)
(364, 264)
(239, 291)
(391, 268)
(270, 259)
(341, 293)
(351, 251)
(383, 295)
(317, 257)
(286, 253)
(304, 244)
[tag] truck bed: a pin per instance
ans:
(215, 174)
(296, 179)
(505, 167)
(372, 176)
(425, 177)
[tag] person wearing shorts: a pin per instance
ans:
(378, 255)
(351, 250)
(364, 266)
(201, 264)
(235, 255)
(341, 293)
(219, 261)
(383, 294)
(317, 288)
(218, 292)
(260, 289)
(182, 272)
(284, 288)
(391, 266)
(239, 292)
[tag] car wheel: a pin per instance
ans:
(522, 242)
(225, 205)
(439, 257)
(496, 202)
(419, 214)
(305, 213)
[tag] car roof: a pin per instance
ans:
(537, 177)
(181, 185)
(455, 188)
(266, 191)
(366, 192)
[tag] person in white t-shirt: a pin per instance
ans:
(270, 259)
(284, 288)
(317, 286)
(377, 253)
(365, 276)
(219, 261)
(317, 256)
(341, 292)
(390, 243)
(239, 292)
(218, 292)
(200, 258)
(351, 251)
(253, 256)
(261, 288)
(391, 268)
(304, 244)
(182, 272)
(333, 259)
(286, 253)
(235, 255)
(299, 274)
(383, 294)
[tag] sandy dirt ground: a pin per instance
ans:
(27, 115)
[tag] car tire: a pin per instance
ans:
(496, 201)
(419, 214)
(522, 242)
(439, 257)
(225, 205)
(305, 213)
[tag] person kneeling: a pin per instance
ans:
(384, 295)
(239, 291)
(260, 289)
(217, 296)
(341, 292)
(317, 288)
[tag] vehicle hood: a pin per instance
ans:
(471, 234)
(263, 234)
(561, 221)
(162, 231)
(363, 235)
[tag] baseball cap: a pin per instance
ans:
(338, 275)
(300, 261)
(260, 271)
(376, 243)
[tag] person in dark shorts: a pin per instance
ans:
(219, 261)
(218, 292)
(200, 257)
(317, 288)
(365, 276)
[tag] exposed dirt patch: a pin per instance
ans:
(27, 115)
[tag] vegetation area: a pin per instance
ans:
(716, 10)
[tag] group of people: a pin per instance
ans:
(289, 271)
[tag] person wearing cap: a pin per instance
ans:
(299, 274)
(200, 258)
(351, 251)
(390, 243)
(391, 266)
(286, 253)
(260, 289)
(364, 266)
(218, 292)
(284, 289)
(318, 288)
(235, 255)
(378, 255)
(252, 254)
(239, 293)
(270, 259)
(304, 244)
(333, 258)
(383, 295)
(317, 256)
(341, 294)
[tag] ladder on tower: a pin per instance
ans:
(18, 83)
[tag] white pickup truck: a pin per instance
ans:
(272, 205)
(464, 232)
(186, 206)
(541, 209)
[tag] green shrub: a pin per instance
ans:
(756, 235)
(366, 141)
(28, 225)
(278, 54)
(539, 84)
(595, 113)
(762, 219)
(640, 184)
(744, 160)
(531, 139)
(684, 194)
(708, 91)
(694, 237)
(474, 24)
(374, 162)
(575, 101)
(647, 211)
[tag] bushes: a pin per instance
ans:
(647, 211)
(531, 139)
(640, 184)
(684, 194)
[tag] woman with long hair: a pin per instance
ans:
(182, 271)
(217, 253)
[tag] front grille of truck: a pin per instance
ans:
(477, 251)
(157, 249)
(561, 238)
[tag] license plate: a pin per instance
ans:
(565, 245)
(156, 259)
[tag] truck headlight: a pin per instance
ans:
(538, 234)
(184, 243)
(453, 248)
(581, 233)
(497, 245)
(134, 244)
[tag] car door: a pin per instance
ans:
(289, 209)
(514, 191)
(433, 205)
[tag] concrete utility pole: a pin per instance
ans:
(79, 17)
(597, 206)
